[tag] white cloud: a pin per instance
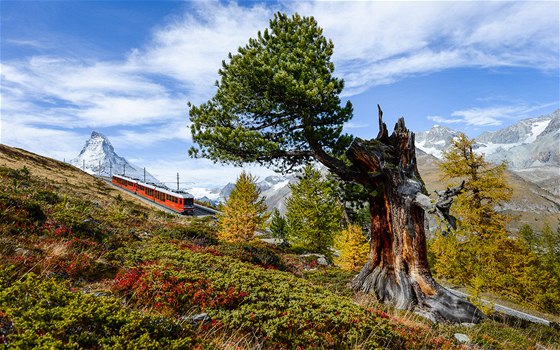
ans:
(72, 93)
(440, 119)
(380, 42)
(202, 172)
(56, 143)
(375, 43)
(190, 49)
(490, 116)
(45, 98)
(176, 130)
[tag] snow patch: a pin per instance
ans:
(199, 192)
(280, 185)
(431, 150)
(536, 129)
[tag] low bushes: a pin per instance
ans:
(44, 314)
(279, 309)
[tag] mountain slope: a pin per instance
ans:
(530, 204)
(530, 147)
(98, 157)
(436, 140)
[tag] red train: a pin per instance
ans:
(180, 202)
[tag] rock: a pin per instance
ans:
(468, 325)
(201, 318)
(321, 260)
(144, 235)
(101, 294)
(462, 338)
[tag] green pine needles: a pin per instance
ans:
(314, 214)
(277, 101)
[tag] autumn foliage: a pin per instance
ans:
(353, 248)
(244, 211)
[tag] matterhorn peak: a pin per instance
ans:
(95, 134)
(98, 157)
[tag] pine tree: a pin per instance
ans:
(278, 225)
(277, 103)
(243, 212)
(353, 248)
(313, 214)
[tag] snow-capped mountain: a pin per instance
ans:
(435, 140)
(98, 157)
(534, 150)
(528, 143)
(274, 188)
(531, 148)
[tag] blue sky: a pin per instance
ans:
(127, 69)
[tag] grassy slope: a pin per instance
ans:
(63, 233)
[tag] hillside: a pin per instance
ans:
(84, 265)
(530, 147)
(530, 204)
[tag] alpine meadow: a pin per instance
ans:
(282, 212)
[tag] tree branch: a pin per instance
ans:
(442, 206)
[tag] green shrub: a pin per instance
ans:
(198, 231)
(257, 253)
(44, 314)
(19, 215)
(277, 308)
(47, 197)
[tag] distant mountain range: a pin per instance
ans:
(98, 157)
(530, 147)
(275, 189)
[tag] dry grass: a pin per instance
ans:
(64, 175)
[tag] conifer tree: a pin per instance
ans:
(353, 248)
(313, 214)
(481, 254)
(278, 225)
(485, 187)
(277, 103)
(243, 212)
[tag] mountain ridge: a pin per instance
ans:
(98, 157)
(530, 147)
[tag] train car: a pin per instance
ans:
(181, 202)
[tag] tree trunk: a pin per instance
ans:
(398, 271)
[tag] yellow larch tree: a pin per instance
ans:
(243, 212)
(353, 248)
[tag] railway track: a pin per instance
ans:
(200, 210)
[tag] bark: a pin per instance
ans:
(398, 271)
